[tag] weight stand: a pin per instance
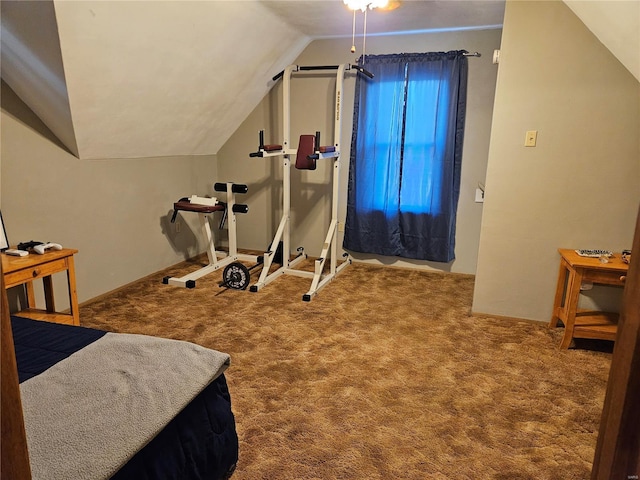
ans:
(206, 207)
(305, 159)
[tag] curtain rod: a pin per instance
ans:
(474, 54)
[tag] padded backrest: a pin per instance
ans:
(306, 147)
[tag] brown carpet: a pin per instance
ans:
(383, 375)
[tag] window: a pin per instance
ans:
(404, 175)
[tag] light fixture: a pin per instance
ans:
(362, 5)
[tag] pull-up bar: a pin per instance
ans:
(326, 67)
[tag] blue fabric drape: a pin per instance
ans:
(406, 152)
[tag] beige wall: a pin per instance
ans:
(312, 106)
(579, 187)
(115, 212)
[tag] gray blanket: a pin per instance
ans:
(89, 414)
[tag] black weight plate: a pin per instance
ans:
(236, 276)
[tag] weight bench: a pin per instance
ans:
(206, 207)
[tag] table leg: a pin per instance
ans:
(73, 294)
(560, 293)
(48, 294)
(571, 306)
(31, 295)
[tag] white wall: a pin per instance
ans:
(312, 109)
(580, 186)
(115, 212)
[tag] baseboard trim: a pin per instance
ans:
(507, 318)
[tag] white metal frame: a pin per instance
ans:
(318, 278)
(217, 258)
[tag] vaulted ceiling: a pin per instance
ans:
(126, 79)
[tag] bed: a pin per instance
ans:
(108, 405)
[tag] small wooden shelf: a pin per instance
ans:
(598, 325)
(40, 314)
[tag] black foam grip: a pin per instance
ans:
(362, 70)
(367, 73)
(318, 67)
(220, 187)
(256, 154)
(240, 208)
(239, 188)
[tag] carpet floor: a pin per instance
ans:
(383, 375)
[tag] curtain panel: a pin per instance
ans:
(406, 155)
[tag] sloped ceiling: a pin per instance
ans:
(32, 64)
(126, 79)
(150, 79)
(616, 23)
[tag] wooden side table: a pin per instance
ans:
(24, 270)
(574, 270)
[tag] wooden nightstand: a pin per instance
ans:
(24, 270)
(575, 269)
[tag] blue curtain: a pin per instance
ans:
(406, 152)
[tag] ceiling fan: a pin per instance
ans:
(364, 6)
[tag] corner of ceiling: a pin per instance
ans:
(32, 65)
(616, 25)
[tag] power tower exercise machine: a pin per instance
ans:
(235, 274)
(307, 153)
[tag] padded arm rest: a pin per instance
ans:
(272, 148)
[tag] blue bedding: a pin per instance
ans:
(200, 442)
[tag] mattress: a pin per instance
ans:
(198, 442)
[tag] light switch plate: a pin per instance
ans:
(530, 138)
